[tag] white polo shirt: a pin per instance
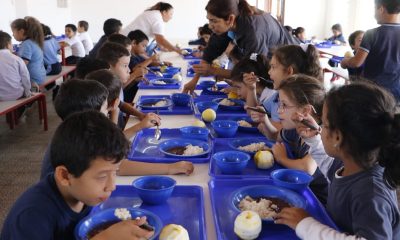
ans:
(149, 22)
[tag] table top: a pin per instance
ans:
(337, 51)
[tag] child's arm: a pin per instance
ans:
(266, 126)
(150, 120)
(133, 168)
(114, 114)
(25, 79)
(166, 44)
(129, 109)
(306, 163)
(250, 80)
(356, 61)
(191, 85)
(136, 75)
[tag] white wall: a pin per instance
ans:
(7, 14)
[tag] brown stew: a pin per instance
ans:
(176, 150)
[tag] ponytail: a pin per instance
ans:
(245, 9)
(313, 67)
(32, 29)
(160, 6)
(389, 155)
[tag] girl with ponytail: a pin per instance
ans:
(358, 150)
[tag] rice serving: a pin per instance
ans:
(264, 207)
(161, 103)
(192, 150)
(160, 82)
(122, 213)
(244, 123)
(254, 147)
(226, 102)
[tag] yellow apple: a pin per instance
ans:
(233, 95)
(198, 123)
(174, 232)
(177, 77)
(209, 115)
(247, 225)
(348, 54)
(264, 159)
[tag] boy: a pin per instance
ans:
(380, 49)
(355, 40)
(77, 49)
(15, 82)
(86, 40)
(110, 26)
(87, 65)
(86, 151)
(139, 44)
(337, 37)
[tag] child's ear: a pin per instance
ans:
(308, 109)
(231, 20)
(114, 104)
(62, 176)
(290, 70)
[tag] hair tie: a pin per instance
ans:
(253, 57)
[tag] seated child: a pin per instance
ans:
(87, 65)
(337, 37)
(50, 52)
(205, 34)
(110, 26)
(361, 131)
(355, 40)
(86, 151)
(199, 40)
(300, 34)
(84, 36)
(14, 76)
(72, 40)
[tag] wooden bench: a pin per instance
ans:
(9, 108)
(52, 78)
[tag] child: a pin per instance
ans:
(14, 76)
(86, 151)
(87, 65)
(110, 26)
(245, 77)
(84, 36)
(128, 167)
(380, 48)
(72, 40)
(285, 62)
(300, 34)
(30, 32)
(199, 40)
(355, 40)
(139, 42)
(50, 52)
(337, 37)
(360, 129)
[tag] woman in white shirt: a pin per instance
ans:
(152, 23)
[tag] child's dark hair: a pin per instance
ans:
(160, 6)
(236, 53)
(83, 24)
(224, 8)
(84, 137)
(289, 29)
(32, 28)
(298, 31)
(304, 90)
(364, 113)
(120, 39)
(259, 66)
(305, 62)
(337, 27)
(353, 36)
(5, 40)
(138, 36)
(72, 27)
(46, 31)
(111, 26)
(391, 6)
(205, 30)
(111, 52)
(87, 65)
(77, 95)
(110, 81)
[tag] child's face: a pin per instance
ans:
(81, 29)
(326, 136)
(277, 72)
(167, 15)
(286, 109)
(206, 37)
(104, 108)
(121, 68)
(241, 89)
(69, 33)
(95, 185)
(336, 32)
(19, 35)
(357, 41)
(218, 25)
(139, 48)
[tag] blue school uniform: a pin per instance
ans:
(50, 57)
(135, 60)
(382, 64)
(299, 149)
(30, 51)
(46, 164)
(339, 38)
(362, 204)
(42, 213)
(271, 106)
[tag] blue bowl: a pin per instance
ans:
(231, 162)
(205, 105)
(225, 128)
(200, 133)
(167, 81)
(239, 104)
(257, 191)
(106, 217)
(183, 142)
(154, 190)
(247, 119)
(235, 143)
(147, 103)
(290, 178)
(181, 99)
(206, 84)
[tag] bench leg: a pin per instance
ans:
(10, 119)
(43, 111)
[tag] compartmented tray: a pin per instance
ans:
(185, 207)
(221, 191)
(220, 112)
(143, 149)
(172, 110)
(239, 134)
(150, 85)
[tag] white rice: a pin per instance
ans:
(122, 213)
(161, 103)
(192, 150)
(254, 147)
(226, 102)
(160, 82)
(265, 208)
(244, 123)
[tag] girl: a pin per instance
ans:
(299, 93)
(300, 34)
(30, 33)
(337, 37)
(285, 62)
(77, 49)
(361, 128)
(50, 51)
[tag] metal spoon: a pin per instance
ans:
(157, 133)
(155, 72)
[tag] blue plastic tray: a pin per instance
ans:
(224, 215)
(145, 151)
(207, 92)
(173, 110)
(191, 57)
(336, 59)
(143, 85)
(185, 207)
(220, 112)
(239, 133)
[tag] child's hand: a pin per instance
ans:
(182, 167)
(202, 69)
(151, 120)
(250, 80)
(128, 229)
(291, 216)
(138, 73)
(167, 63)
(279, 151)
(262, 128)
(257, 116)
(303, 130)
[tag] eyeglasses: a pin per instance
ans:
(282, 106)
